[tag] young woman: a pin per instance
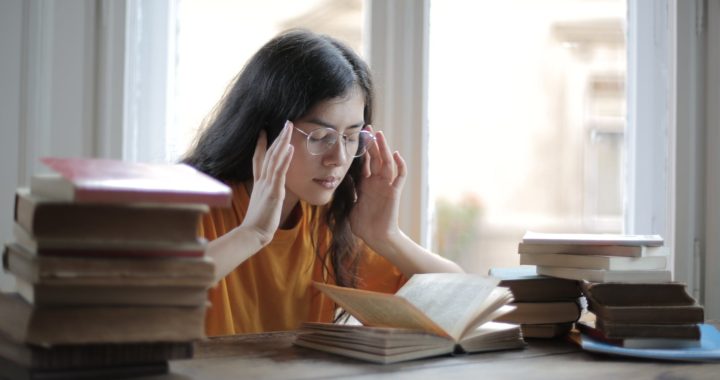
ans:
(315, 190)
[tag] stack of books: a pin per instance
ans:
(545, 307)
(111, 273)
(651, 315)
(596, 257)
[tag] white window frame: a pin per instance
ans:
(670, 180)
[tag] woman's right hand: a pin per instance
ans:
(269, 169)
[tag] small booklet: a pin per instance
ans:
(432, 314)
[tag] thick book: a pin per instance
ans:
(589, 329)
(648, 314)
(60, 357)
(594, 262)
(12, 371)
(106, 248)
(90, 271)
(52, 219)
(707, 351)
(592, 249)
(645, 330)
(542, 312)
(112, 181)
(449, 306)
(546, 330)
(527, 286)
(604, 275)
(642, 294)
(592, 239)
(48, 326)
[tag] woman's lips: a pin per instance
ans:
(327, 182)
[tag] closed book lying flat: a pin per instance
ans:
(52, 219)
(593, 332)
(641, 294)
(639, 330)
(12, 371)
(545, 330)
(111, 181)
(91, 355)
(127, 294)
(107, 248)
(648, 314)
(47, 326)
(603, 275)
(527, 286)
(134, 272)
(594, 249)
(542, 312)
(387, 345)
(592, 239)
(594, 262)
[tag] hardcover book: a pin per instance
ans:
(432, 314)
(592, 239)
(48, 326)
(594, 261)
(112, 181)
(527, 286)
(604, 275)
(137, 222)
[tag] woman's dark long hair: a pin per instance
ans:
(283, 81)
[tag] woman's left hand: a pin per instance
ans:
(374, 218)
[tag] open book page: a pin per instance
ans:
(380, 309)
(492, 336)
(456, 302)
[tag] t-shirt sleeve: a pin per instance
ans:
(378, 274)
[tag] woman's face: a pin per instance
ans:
(314, 178)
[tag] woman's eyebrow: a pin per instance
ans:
(325, 124)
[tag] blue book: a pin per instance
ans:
(709, 349)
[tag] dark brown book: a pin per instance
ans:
(91, 355)
(527, 286)
(648, 314)
(53, 219)
(636, 330)
(76, 271)
(47, 326)
(650, 294)
(545, 330)
(588, 328)
(542, 312)
(12, 371)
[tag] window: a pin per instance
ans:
(526, 108)
(215, 39)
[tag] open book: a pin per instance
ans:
(432, 314)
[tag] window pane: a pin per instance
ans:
(216, 37)
(527, 114)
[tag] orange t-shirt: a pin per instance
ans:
(272, 290)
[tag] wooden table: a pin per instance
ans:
(272, 356)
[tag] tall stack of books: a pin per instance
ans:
(596, 257)
(111, 273)
(545, 307)
(652, 315)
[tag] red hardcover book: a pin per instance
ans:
(113, 181)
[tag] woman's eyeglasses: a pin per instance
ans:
(321, 140)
